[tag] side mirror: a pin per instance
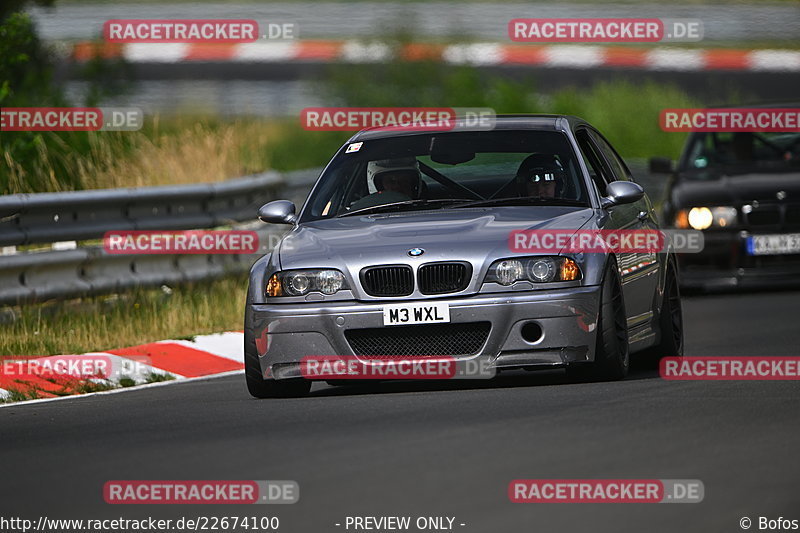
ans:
(660, 165)
(278, 212)
(622, 192)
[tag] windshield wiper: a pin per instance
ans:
(405, 203)
(522, 200)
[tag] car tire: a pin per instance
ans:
(612, 354)
(268, 388)
(670, 322)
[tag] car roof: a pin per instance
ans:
(540, 122)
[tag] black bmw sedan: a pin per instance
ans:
(742, 190)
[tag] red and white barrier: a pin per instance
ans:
(479, 54)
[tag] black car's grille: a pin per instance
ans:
(441, 278)
(764, 216)
(423, 340)
(792, 216)
(388, 280)
(773, 217)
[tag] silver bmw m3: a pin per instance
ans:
(406, 248)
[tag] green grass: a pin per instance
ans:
(159, 378)
(191, 149)
(627, 113)
(126, 381)
(20, 395)
(100, 324)
(167, 151)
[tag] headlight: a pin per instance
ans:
(329, 281)
(507, 272)
(534, 269)
(542, 270)
(701, 218)
(302, 282)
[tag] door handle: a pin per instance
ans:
(642, 215)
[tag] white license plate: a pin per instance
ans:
(787, 243)
(405, 314)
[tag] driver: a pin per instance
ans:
(393, 181)
(541, 176)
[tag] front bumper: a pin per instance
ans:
(286, 333)
(725, 264)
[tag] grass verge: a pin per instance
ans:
(143, 316)
(167, 151)
(181, 150)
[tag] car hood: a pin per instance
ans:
(736, 190)
(472, 234)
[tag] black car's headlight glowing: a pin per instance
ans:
(701, 218)
(534, 269)
(302, 282)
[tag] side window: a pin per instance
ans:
(597, 170)
(618, 166)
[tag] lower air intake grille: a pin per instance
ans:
(422, 340)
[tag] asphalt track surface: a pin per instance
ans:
(408, 449)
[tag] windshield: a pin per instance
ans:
(447, 170)
(711, 155)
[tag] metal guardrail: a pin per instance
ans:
(86, 215)
(83, 215)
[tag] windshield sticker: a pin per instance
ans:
(354, 147)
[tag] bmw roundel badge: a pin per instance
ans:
(416, 252)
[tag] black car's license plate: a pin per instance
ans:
(779, 244)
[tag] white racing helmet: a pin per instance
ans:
(376, 167)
